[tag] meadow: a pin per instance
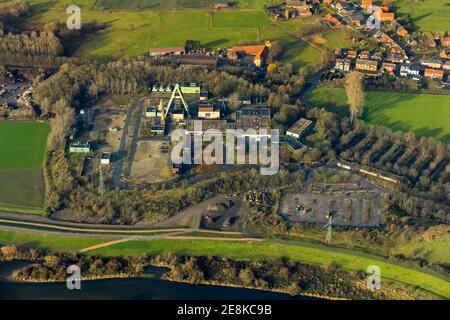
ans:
(131, 32)
(48, 242)
(22, 152)
(255, 250)
(424, 114)
(427, 15)
(176, 4)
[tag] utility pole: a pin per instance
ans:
(329, 227)
(101, 182)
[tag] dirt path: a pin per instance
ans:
(105, 244)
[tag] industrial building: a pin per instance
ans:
(157, 52)
(79, 147)
(300, 128)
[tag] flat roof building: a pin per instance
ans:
(300, 128)
(106, 158)
(253, 118)
(156, 52)
(80, 147)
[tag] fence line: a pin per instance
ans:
(13, 205)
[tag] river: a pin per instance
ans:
(124, 289)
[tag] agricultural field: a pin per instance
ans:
(424, 114)
(22, 151)
(427, 15)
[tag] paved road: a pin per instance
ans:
(118, 165)
(134, 137)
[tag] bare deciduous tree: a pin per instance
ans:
(355, 94)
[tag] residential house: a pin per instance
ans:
(432, 63)
(394, 57)
(259, 52)
(389, 67)
(389, 42)
(343, 64)
(385, 16)
(366, 65)
(351, 54)
(366, 4)
(377, 56)
(364, 54)
(444, 54)
(401, 31)
(345, 8)
(434, 74)
(356, 19)
(445, 42)
(333, 22)
(407, 70)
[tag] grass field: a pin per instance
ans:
(428, 15)
(48, 242)
(255, 250)
(262, 250)
(424, 114)
(132, 32)
(435, 251)
(22, 151)
(177, 4)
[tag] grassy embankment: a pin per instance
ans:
(254, 250)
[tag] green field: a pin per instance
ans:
(435, 251)
(256, 250)
(428, 15)
(22, 151)
(424, 114)
(48, 242)
(176, 4)
(132, 32)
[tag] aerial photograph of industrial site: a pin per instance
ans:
(245, 154)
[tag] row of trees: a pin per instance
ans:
(291, 277)
(34, 43)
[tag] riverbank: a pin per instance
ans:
(133, 288)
